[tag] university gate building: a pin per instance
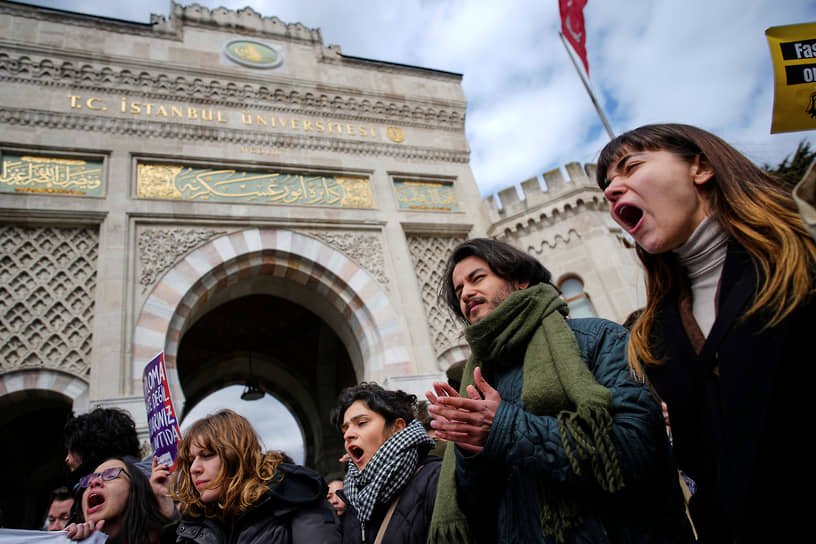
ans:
(223, 187)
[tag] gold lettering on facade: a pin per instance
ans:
(248, 118)
(426, 195)
(260, 151)
(226, 185)
(50, 175)
(91, 103)
(157, 181)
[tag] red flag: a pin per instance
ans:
(572, 26)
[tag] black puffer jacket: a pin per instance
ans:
(412, 516)
(293, 511)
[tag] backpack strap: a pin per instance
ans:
(387, 518)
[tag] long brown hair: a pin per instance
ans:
(245, 470)
(750, 204)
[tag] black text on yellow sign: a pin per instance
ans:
(793, 51)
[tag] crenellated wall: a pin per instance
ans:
(568, 228)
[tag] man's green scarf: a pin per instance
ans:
(556, 382)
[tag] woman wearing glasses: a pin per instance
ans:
(117, 499)
(230, 491)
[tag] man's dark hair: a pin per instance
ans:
(59, 494)
(503, 259)
(392, 405)
(101, 434)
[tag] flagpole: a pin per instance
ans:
(588, 89)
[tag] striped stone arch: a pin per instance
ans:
(43, 379)
(353, 303)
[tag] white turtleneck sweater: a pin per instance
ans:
(703, 256)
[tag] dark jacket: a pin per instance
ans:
(293, 511)
(739, 411)
(498, 487)
(412, 517)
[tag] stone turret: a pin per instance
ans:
(570, 191)
(581, 178)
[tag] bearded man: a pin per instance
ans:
(554, 440)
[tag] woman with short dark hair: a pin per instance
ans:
(390, 485)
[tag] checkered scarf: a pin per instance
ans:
(388, 471)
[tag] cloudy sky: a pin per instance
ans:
(692, 61)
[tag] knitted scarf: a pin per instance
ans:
(388, 471)
(556, 382)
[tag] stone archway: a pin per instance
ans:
(287, 264)
(34, 405)
(68, 385)
(279, 345)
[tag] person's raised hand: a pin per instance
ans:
(160, 483)
(465, 421)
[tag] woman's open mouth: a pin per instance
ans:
(95, 502)
(356, 453)
(629, 215)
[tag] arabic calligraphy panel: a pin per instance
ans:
(34, 174)
(227, 185)
(425, 195)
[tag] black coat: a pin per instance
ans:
(412, 517)
(293, 511)
(740, 411)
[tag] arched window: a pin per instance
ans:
(572, 289)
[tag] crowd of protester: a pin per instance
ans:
(555, 429)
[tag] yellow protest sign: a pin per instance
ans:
(793, 50)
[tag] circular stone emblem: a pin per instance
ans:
(253, 54)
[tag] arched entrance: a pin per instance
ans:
(350, 330)
(283, 347)
(34, 405)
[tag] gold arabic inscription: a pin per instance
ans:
(424, 195)
(227, 185)
(30, 174)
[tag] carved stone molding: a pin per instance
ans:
(160, 248)
(281, 98)
(244, 20)
(553, 241)
(177, 131)
(364, 248)
(430, 254)
(47, 293)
